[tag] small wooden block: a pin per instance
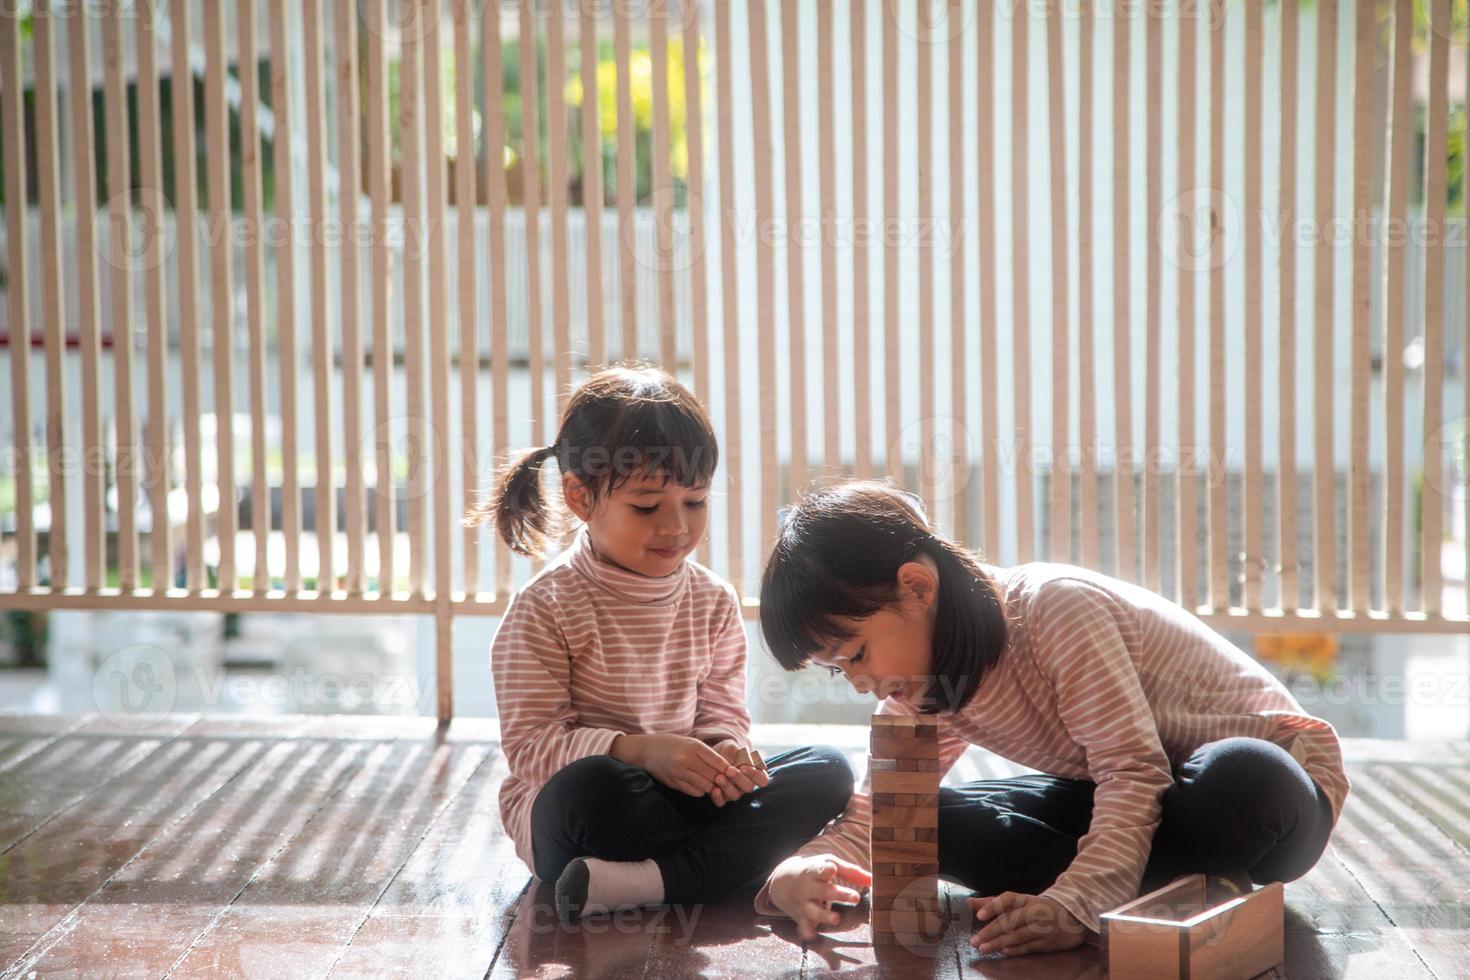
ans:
(903, 833)
(903, 765)
(894, 747)
(905, 940)
(905, 870)
(906, 893)
(906, 816)
(915, 920)
(905, 782)
(905, 900)
(900, 799)
(905, 852)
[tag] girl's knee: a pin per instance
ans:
(822, 775)
(1249, 776)
(596, 780)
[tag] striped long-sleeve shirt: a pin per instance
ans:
(1106, 681)
(588, 651)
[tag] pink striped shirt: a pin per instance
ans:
(1106, 681)
(588, 651)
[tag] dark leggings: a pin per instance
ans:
(600, 807)
(1239, 804)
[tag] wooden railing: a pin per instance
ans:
(869, 240)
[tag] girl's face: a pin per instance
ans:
(890, 653)
(647, 525)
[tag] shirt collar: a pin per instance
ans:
(621, 582)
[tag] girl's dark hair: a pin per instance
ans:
(627, 421)
(837, 558)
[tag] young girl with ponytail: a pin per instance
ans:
(1162, 750)
(619, 671)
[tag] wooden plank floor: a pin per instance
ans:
(346, 846)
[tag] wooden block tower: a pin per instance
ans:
(903, 762)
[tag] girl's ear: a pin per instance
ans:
(574, 492)
(920, 580)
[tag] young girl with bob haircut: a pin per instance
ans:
(620, 671)
(1162, 750)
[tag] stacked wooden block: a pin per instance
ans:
(903, 762)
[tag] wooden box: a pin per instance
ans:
(1196, 928)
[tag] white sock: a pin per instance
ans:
(618, 884)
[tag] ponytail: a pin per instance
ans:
(523, 518)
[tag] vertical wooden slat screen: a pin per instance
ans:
(1435, 178)
(733, 446)
(592, 187)
(437, 446)
(542, 433)
(765, 266)
(1024, 437)
(187, 278)
(1123, 500)
(1090, 550)
(84, 193)
(53, 305)
(411, 136)
(694, 206)
(827, 211)
(321, 342)
(925, 36)
(465, 207)
(1324, 321)
(989, 457)
(1204, 236)
(150, 178)
(1218, 595)
(221, 280)
(1059, 520)
(260, 503)
(1401, 128)
(287, 360)
(862, 253)
(1287, 592)
(627, 190)
(349, 186)
(1252, 505)
(791, 60)
(119, 208)
(1187, 481)
(661, 168)
(17, 285)
(1359, 522)
(556, 138)
(495, 135)
(385, 517)
(893, 452)
(959, 320)
(1149, 482)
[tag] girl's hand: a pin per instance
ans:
(805, 888)
(1014, 924)
(678, 761)
(750, 773)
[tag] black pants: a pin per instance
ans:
(600, 807)
(1239, 804)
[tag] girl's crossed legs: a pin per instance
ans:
(602, 808)
(1237, 805)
